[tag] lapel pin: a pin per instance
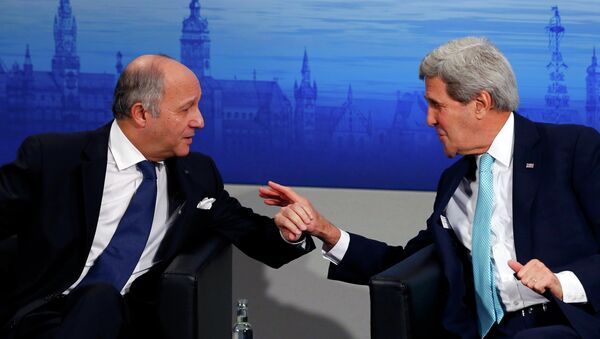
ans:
(529, 165)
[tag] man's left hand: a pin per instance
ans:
(537, 276)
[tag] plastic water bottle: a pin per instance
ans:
(242, 328)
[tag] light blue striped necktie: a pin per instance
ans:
(489, 309)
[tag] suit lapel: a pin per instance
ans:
(174, 185)
(93, 173)
(457, 315)
(456, 174)
(527, 166)
(444, 239)
(184, 191)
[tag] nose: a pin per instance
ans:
(198, 120)
(430, 119)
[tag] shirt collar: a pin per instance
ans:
(502, 146)
(123, 151)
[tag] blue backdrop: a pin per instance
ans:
(305, 92)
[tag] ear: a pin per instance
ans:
(138, 114)
(483, 104)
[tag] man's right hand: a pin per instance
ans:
(298, 215)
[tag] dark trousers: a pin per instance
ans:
(535, 322)
(95, 311)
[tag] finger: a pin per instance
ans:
(302, 212)
(538, 288)
(309, 212)
(266, 192)
(286, 224)
(290, 236)
(271, 197)
(286, 192)
(515, 265)
(275, 202)
(533, 269)
(291, 214)
(538, 284)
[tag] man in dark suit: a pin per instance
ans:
(516, 220)
(99, 214)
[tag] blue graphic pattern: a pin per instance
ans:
(349, 112)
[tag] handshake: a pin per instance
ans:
(298, 215)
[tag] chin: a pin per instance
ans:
(450, 153)
(182, 152)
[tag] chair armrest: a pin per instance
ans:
(8, 257)
(407, 299)
(195, 292)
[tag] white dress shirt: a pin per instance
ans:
(121, 181)
(459, 216)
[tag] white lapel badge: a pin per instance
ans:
(206, 203)
(529, 165)
(445, 223)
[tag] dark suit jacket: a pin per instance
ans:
(556, 219)
(50, 196)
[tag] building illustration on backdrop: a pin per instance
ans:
(557, 97)
(592, 104)
(240, 114)
(63, 98)
(244, 115)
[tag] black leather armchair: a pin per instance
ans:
(194, 292)
(407, 299)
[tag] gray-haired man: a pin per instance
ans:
(516, 220)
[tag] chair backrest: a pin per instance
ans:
(407, 299)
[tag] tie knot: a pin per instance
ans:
(485, 162)
(148, 169)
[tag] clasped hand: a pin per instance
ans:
(535, 275)
(297, 215)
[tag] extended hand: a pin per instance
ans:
(537, 276)
(298, 215)
(279, 195)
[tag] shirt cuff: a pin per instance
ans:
(300, 243)
(337, 252)
(572, 288)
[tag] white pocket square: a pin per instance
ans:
(206, 203)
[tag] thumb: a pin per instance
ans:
(515, 265)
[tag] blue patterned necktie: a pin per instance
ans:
(487, 300)
(118, 260)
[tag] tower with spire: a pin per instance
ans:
(195, 42)
(592, 88)
(119, 63)
(65, 60)
(557, 97)
(27, 66)
(352, 130)
(304, 113)
(65, 63)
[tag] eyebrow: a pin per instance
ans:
(187, 103)
(431, 101)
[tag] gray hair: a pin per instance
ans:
(469, 66)
(144, 84)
